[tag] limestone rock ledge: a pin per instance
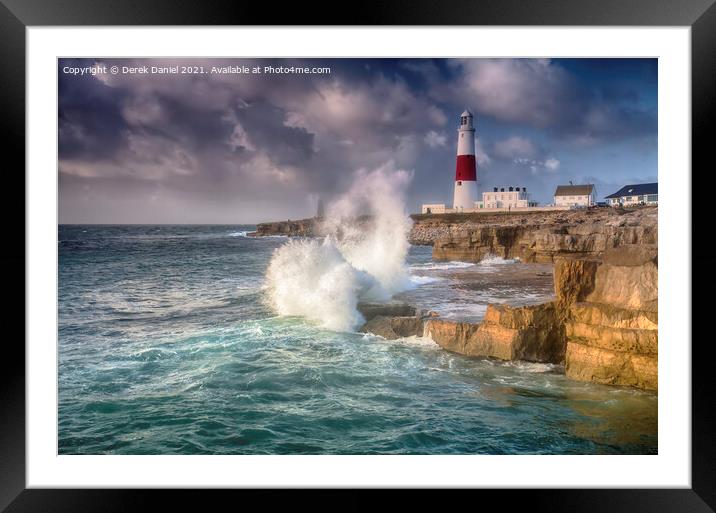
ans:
(393, 320)
(611, 321)
(297, 228)
(391, 328)
(532, 333)
(542, 238)
(603, 325)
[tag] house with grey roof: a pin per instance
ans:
(636, 194)
(574, 195)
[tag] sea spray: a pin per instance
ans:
(362, 257)
(377, 244)
(311, 278)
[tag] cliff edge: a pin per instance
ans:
(611, 325)
(537, 236)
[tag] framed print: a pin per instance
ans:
(420, 252)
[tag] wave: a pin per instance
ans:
(246, 234)
(444, 266)
(497, 260)
(413, 340)
(533, 367)
(357, 261)
(461, 310)
(423, 280)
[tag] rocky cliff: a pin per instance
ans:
(532, 333)
(603, 325)
(537, 237)
(611, 323)
(530, 236)
(299, 228)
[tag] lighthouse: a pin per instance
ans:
(466, 168)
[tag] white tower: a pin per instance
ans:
(466, 169)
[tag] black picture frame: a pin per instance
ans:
(17, 15)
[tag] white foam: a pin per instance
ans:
(445, 266)
(532, 367)
(313, 279)
(497, 260)
(423, 280)
(246, 234)
(462, 311)
(417, 341)
(325, 280)
(413, 340)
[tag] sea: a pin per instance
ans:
(169, 343)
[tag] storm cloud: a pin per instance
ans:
(242, 148)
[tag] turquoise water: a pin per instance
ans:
(166, 347)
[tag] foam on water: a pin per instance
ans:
(313, 279)
(357, 261)
(491, 260)
(245, 234)
(533, 367)
(423, 280)
(444, 266)
(414, 340)
(165, 348)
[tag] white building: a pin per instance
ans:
(637, 194)
(433, 208)
(574, 195)
(509, 198)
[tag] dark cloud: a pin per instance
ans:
(542, 94)
(90, 121)
(287, 145)
(245, 148)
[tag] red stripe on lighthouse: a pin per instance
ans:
(466, 168)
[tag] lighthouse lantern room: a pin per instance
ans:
(466, 168)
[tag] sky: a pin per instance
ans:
(243, 147)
